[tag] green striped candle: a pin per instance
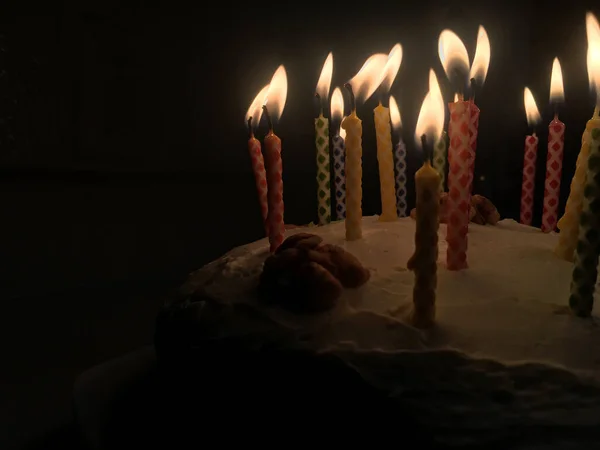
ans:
(587, 252)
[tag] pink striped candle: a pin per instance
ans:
(274, 169)
(531, 145)
(556, 145)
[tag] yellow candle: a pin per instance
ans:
(569, 222)
(353, 126)
(366, 82)
(386, 164)
(424, 260)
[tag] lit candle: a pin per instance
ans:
(439, 158)
(585, 270)
(569, 223)
(256, 157)
(479, 69)
(455, 59)
(423, 262)
(400, 157)
(361, 87)
(322, 143)
(339, 153)
(556, 145)
(276, 96)
(531, 144)
(384, 139)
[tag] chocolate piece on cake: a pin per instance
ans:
(305, 275)
(486, 211)
(482, 211)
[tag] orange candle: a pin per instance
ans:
(276, 97)
(256, 157)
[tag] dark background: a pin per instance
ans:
(123, 161)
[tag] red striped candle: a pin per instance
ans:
(473, 129)
(531, 144)
(556, 145)
(458, 185)
(260, 177)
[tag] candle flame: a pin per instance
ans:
(593, 53)
(434, 86)
(557, 91)
(456, 99)
(324, 82)
(395, 114)
(255, 110)
(369, 77)
(431, 115)
(481, 61)
(453, 53)
(337, 104)
(531, 109)
(391, 68)
(277, 93)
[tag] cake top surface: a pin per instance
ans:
(509, 306)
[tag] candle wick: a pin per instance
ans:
(250, 127)
(318, 97)
(269, 122)
(460, 83)
(425, 147)
(352, 99)
(473, 85)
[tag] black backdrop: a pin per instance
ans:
(123, 147)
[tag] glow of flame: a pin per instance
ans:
(343, 133)
(255, 111)
(434, 86)
(531, 109)
(391, 67)
(557, 92)
(456, 98)
(395, 114)
(431, 116)
(369, 77)
(481, 61)
(324, 82)
(337, 104)
(452, 53)
(277, 93)
(593, 52)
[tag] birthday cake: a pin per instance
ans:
(505, 358)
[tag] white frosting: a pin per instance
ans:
(506, 360)
(510, 305)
